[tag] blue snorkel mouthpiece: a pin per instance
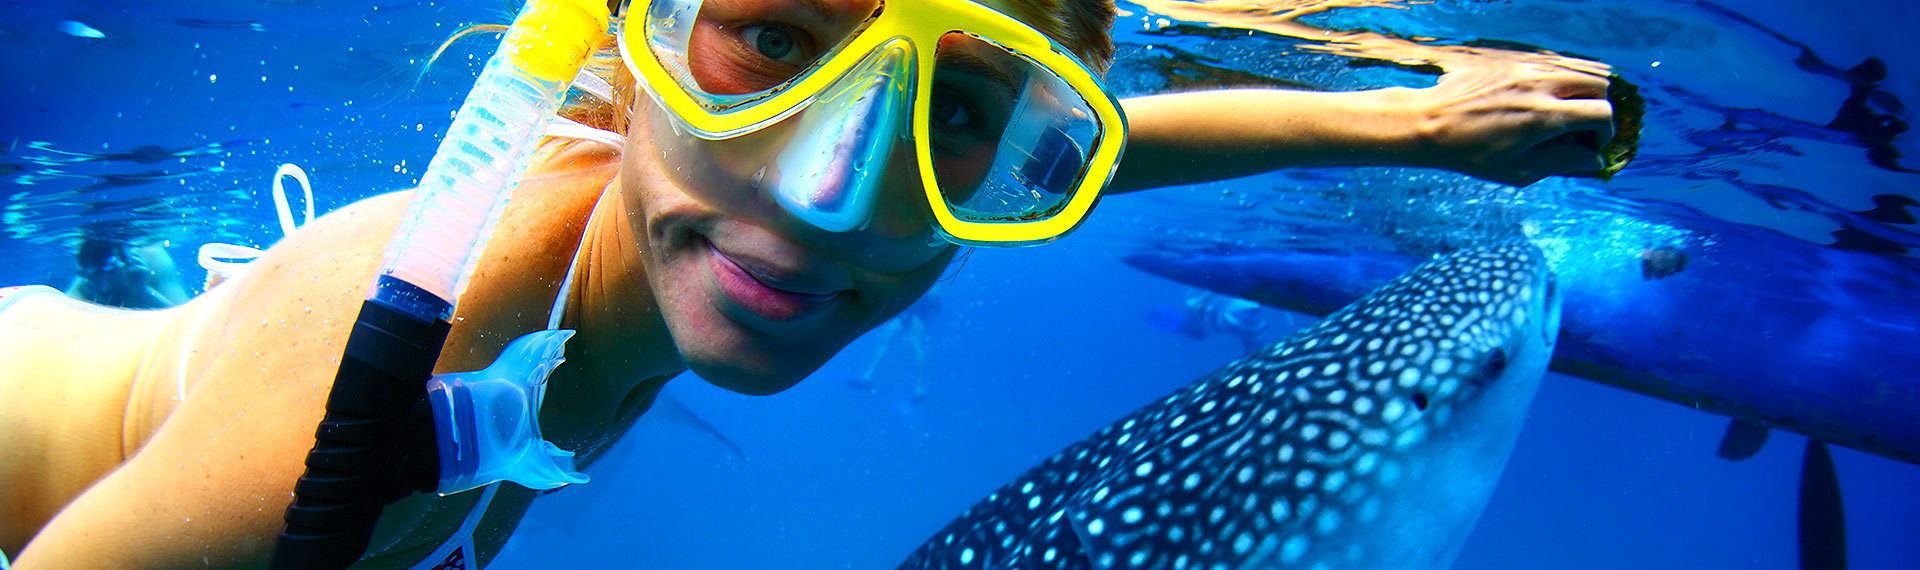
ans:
(488, 421)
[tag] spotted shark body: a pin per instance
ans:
(1370, 440)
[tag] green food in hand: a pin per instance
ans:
(1629, 112)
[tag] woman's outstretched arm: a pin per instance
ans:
(1511, 124)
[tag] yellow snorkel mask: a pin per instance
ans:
(1014, 138)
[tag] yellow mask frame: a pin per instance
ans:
(922, 23)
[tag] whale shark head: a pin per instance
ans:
(1372, 439)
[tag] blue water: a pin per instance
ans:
(1035, 348)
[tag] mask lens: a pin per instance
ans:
(732, 52)
(1010, 140)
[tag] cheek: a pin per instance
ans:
(961, 174)
(722, 171)
(902, 214)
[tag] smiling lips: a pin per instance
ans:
(754, 293)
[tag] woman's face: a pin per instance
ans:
(755, 298)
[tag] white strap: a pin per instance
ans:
(227, 260)
(568, 128)
(459, 551)
(593, 84)
(563, 127)
(280, 196)
(566, 287)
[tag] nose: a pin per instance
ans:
(830, 173)
(847, 175)
(897, 236)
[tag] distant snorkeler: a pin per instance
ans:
(117, 262)
(913, 322)
(146, 154)
(1206, 312)
(118, 272)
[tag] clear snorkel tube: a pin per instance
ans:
(488, 146)
(374, 445)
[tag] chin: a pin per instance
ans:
(751, 376)
(737, 351)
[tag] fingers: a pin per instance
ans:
(1580, 65)
(1572, 116)
(1595, 115)
(1580, 86)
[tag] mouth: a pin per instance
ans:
(763, 293)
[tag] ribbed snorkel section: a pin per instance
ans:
(479, 162)
(376, 443)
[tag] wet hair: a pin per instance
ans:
(1084, 27)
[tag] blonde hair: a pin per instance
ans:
(1082, 26)
(606, 64)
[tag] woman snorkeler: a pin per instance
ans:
(748, 251)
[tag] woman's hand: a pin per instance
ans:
(1513, 124)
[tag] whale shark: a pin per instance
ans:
(1372, 439)
(1775, 333)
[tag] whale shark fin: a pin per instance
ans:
(1089, 544)
(1743, 439)
(673, 410)
(1823, 520)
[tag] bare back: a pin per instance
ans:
(205, 479)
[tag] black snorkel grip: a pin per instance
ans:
(376, 443)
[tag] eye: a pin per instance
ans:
(726, 58)
(778, 42)
(1493, 367)
(948, 111)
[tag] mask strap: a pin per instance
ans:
(565, 128)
